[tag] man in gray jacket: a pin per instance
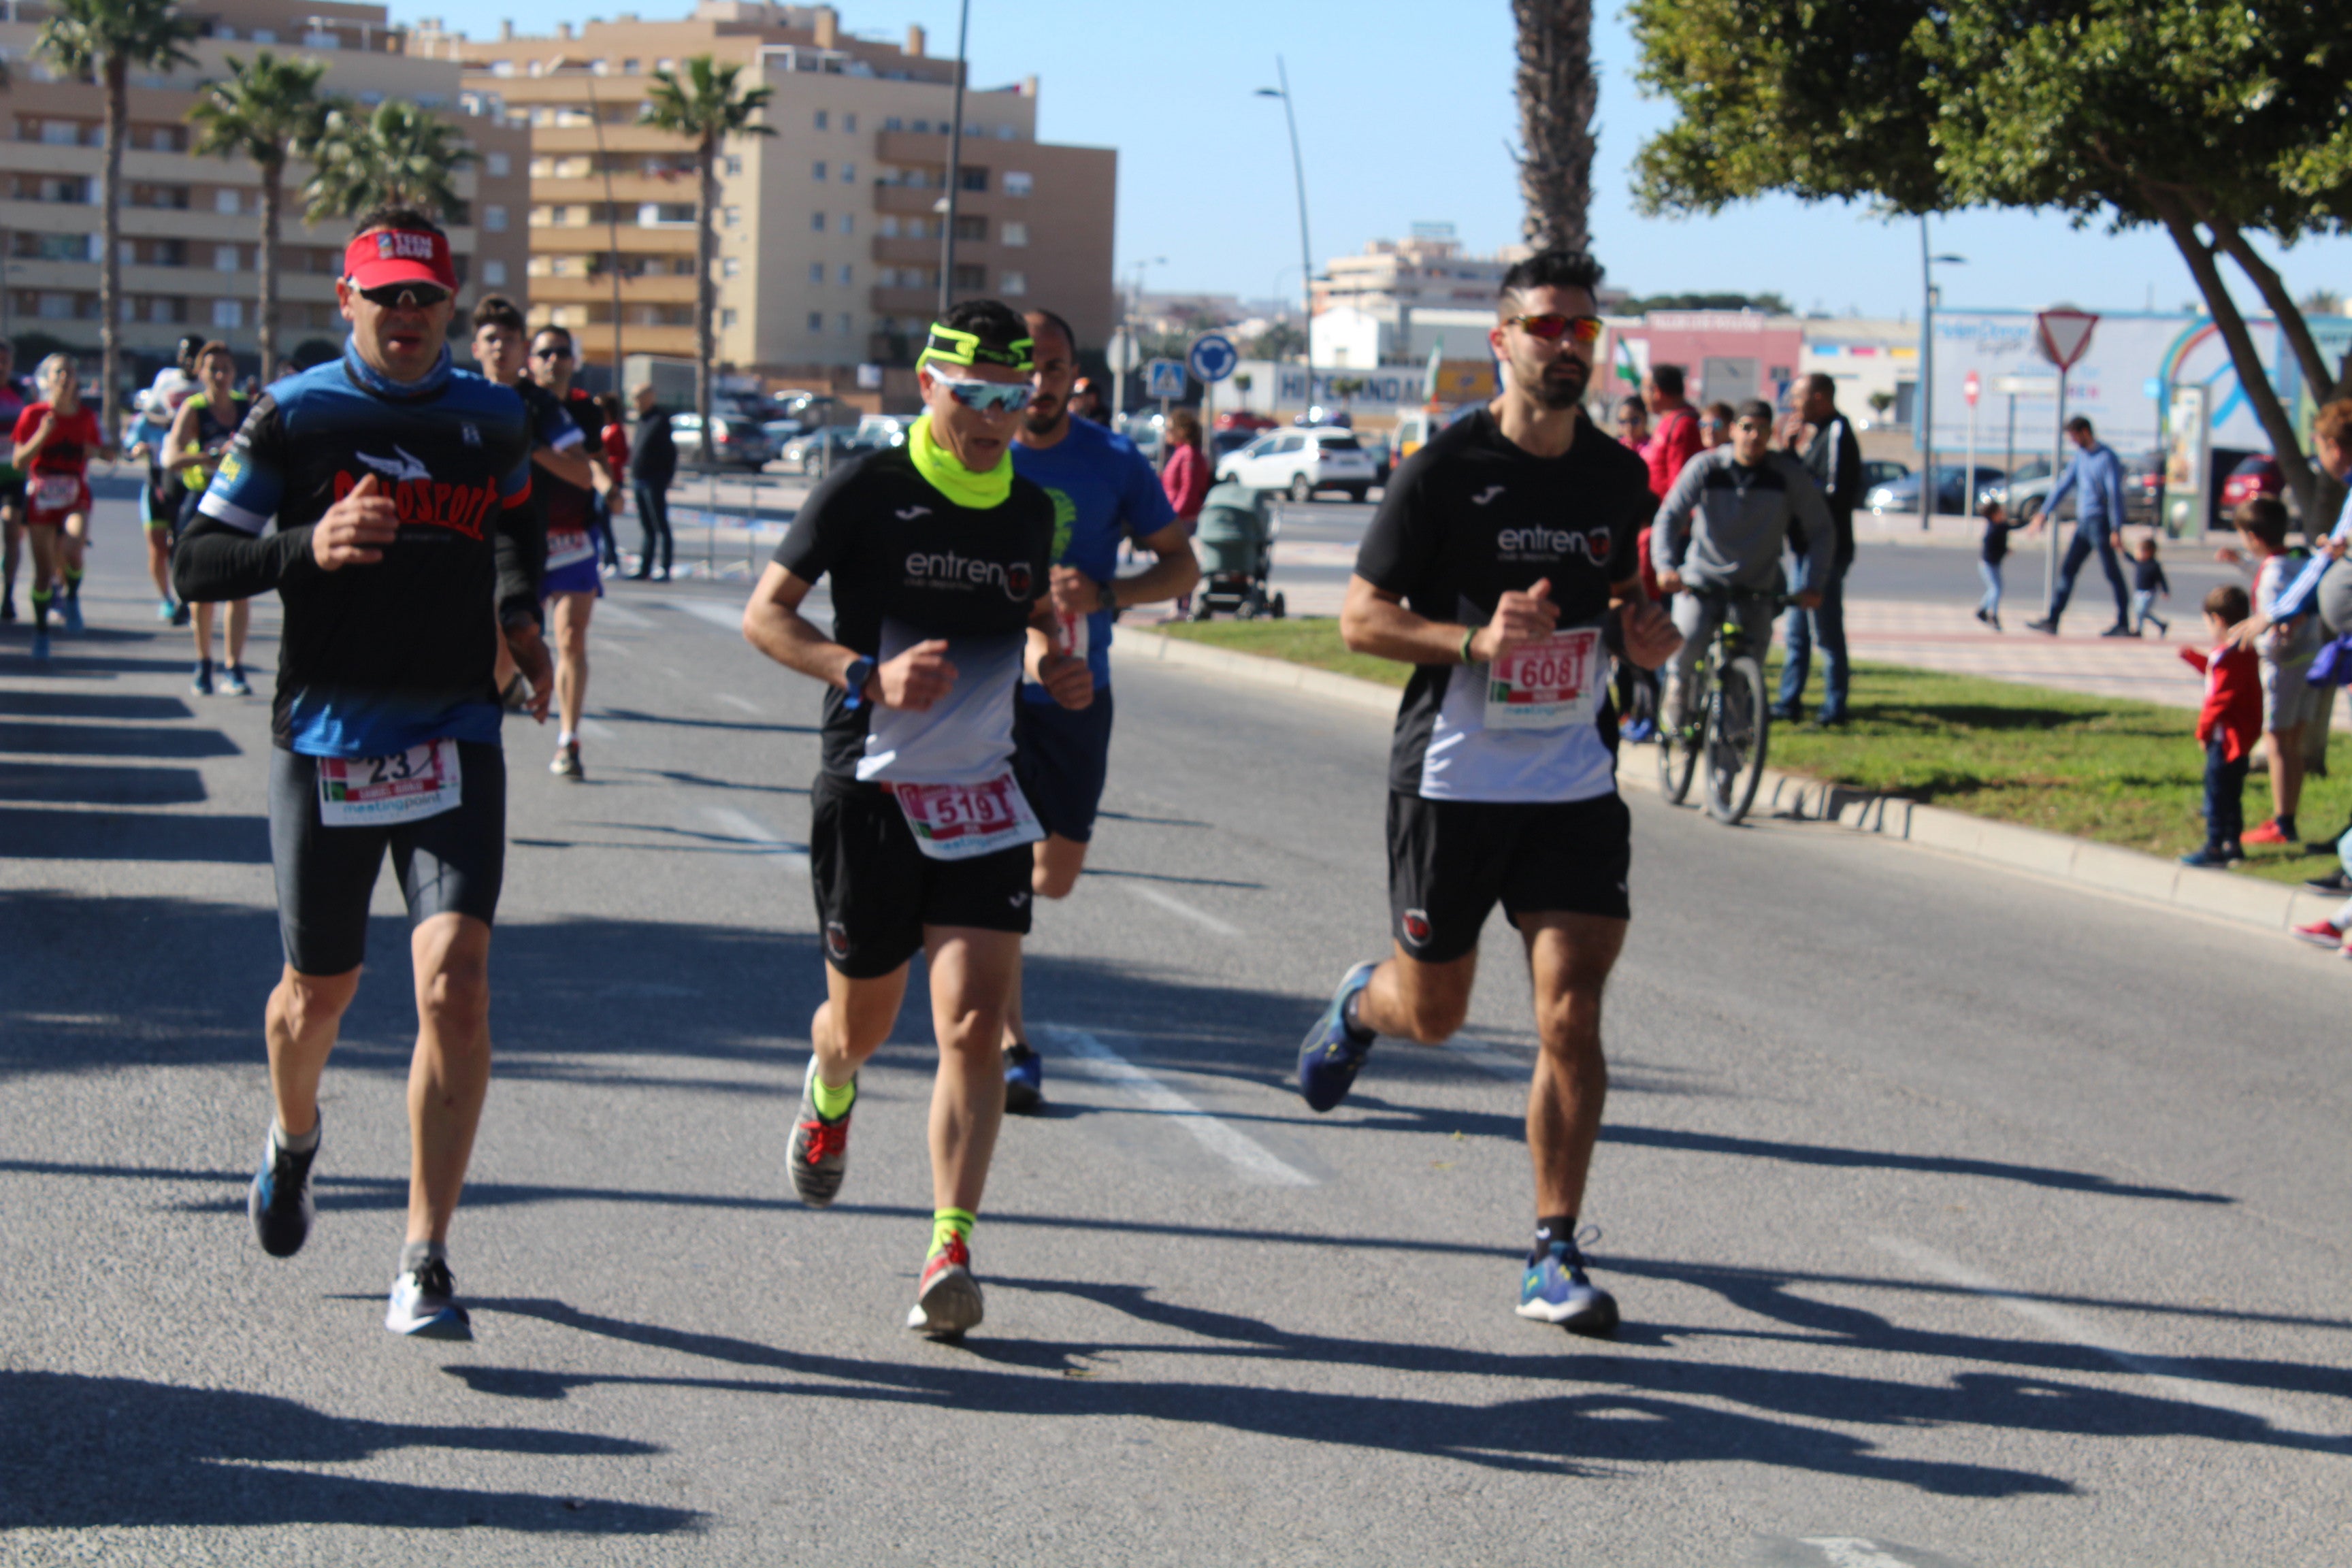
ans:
(1718, 539)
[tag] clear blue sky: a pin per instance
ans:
(1405, 113)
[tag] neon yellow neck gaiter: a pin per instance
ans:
(951, 479)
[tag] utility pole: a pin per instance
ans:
(955, 167)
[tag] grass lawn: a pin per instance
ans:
(2121, 772)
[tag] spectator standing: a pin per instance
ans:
(616, 440)
(1833, 458)
(2226, 726)
(2284, 648)
(2147, 581)
(653, 463)
(1715, 426)
(1632, 423)
(2095, 477)
(1991, 552)
(1675, 437)
(1185, 475)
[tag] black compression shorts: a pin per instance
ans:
(1449, 861)
(876, 890)
(450, 864)
(1061, 756)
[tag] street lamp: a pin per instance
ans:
(1927, 384)
(955, 173)
(1298, 172)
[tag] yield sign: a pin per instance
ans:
(2063, 334)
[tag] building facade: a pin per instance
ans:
(830, 229)
(191, 224)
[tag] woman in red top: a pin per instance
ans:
(55, 440)
(1185, 475)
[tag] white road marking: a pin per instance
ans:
(1176, 906)
(749, 827)
(732, 701)
(1257, 1163)
(612, 615)
(595, 730)
(1485, 1057)
(2074, 1329)
(1854, 1552)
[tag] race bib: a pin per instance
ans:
(55, 493)
(960, 822)
(382, 791)
(569, 547)
(1549, 685)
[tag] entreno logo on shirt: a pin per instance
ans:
(1015, 579)
(431, 502)
(1551, 544)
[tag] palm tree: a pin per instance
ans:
(399, 155)
(1558, 93)
(707, 107)
(268, 111)
(104, 41)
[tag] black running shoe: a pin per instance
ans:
(1025, 1080)
(280, 1203)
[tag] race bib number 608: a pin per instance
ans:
(1550, 684)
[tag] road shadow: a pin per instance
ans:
(79, 1452)
(115, 741)
(120, 708)
(746, 726)
(64, 783)
(29, 834)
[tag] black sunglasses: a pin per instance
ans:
(405, 295)
(551, 353)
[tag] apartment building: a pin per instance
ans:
(191, 224)
(829, 238)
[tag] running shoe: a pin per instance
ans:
(425, 1304)
(2048, 625)
(1329, 1060)
(203, 683)
(183, 613)
(2320, 933)
(566, 765)
(40, 647)
(1025, 1080)
(819, 1153)
(235, 683)
(163, 611)
(948, 1300)
(8, 608)
(1553, 1289)
(2267, 833)
(2334, 882)
(2120, 630)
(280, 1203)
(72, 607)
(2213, 857)
(1638, 731)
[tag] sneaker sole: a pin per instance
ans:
(452, 1324)
(2315, 940)
(947, 1308)
(1597, 1322)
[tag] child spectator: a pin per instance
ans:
(1633, 422)
(2285, 652)
(1715, 424)
(1990, 553)
(2147, 581)
(2226, 726)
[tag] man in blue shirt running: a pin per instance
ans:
(2096, 479)
(1104, 494)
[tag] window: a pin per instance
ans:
(816, 271)
(61, 132)
(820, 121)
(265, 36)
(816, 222)
(816, 321)
(971, 179)
(493, 274)
(229, 312)
(1005, 133)
(847, 276)
(629, 67)
(923, 127)
(733, 216)
(849, 223)
(889, 229)
(1012, 282)
(59, 307)
(494, 218)
(665, 65)
(850, 122)
(1017, 184)
(972, 228)
(729, 265)
(1016, 234)
(734, 164)
(727, 316)
(224, 257)
(498, 166)
(894, 123)
(538, 67)
(849, 173)
(225, 201)
(916, 230)
(502, 68)
(816, 171)
(665, 215)
(970, 279)
(848, 323)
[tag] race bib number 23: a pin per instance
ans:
(383, 791)
(1549, 685)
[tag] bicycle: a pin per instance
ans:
(1726, 718)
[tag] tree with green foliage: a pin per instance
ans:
(104, 41)
(706, 103)
(266, 112)
(2216, 124)
(397, 155)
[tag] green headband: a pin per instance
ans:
(950, 346)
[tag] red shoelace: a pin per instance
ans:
(826, 1139)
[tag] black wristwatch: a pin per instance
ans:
(1106, 598)
(854, 679)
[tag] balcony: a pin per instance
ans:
(592, 239)
(917, 149)
(598, 291)
(904, 301)
(555, 141)
(628, 190)
(925, 200)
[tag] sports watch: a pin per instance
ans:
(854, 679)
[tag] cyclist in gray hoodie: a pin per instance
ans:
(1719, 535)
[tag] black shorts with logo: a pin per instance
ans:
(1449, 861)
(876, 890)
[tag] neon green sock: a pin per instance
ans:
(41, 598)
(832, 1103)
(73, 582)
(952, 1225)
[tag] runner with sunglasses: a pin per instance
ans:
(405, 543)
(920, 834)
(574, 582)
(1501, 565)
(1104, 494)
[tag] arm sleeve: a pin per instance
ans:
(1686, 444)
(228, 552)
(1846, 486)
(2194, 659)
(1669, 536)
(2063, 488)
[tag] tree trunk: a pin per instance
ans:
(706, 293)
(273, 197)
(117, 72)
(2253, 378)
(1558, 93)
(2325, 497)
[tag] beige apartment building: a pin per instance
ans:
(191, 224)
(829, 238)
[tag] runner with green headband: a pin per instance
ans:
(919, 834)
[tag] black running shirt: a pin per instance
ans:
(908, 565)
(1466, 518)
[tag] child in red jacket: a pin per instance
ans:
(2227, 726)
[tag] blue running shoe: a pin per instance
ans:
(1329, 1060)
(40, 647)
(425, 1304)
(1553, 1289)
(72, 607)
(164, 608)
(280, 1203)
(1025, 1080)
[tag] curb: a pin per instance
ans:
(2123, 873)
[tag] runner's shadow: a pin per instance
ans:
(60, 782)
(92, 705)
(28, 833)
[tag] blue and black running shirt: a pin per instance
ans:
(377, 658)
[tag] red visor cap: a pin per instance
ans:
(388, 255)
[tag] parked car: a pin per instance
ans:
(807, 412)
(736, 442)
(1901, 495)
(1228, 442)
(827, 449)
(886, 429)
(1244, 420)
(1303, 462)
(1382, 454)
(1876, 471)
(2023, 496)
(2258, 475)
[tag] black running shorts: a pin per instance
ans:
(1450, 860)
(450, 864)
(1061, 756)
(875, 892)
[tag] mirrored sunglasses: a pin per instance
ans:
(1552, 327)
(405, 295)
(987, 396)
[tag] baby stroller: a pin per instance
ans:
(1236, 540)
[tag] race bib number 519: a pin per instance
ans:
(960, 822)
(1549, 685)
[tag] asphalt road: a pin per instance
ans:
(1957, 1217)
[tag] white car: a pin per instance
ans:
(1303, 462)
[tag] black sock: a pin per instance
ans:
(2286, 826)
(1556, 1228)
(1356, 1031)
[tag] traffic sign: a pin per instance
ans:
(2026, 387)
(1164, 378)
(1970, 387)
(2063, 334)
(1121, 351)
(1213, 357)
